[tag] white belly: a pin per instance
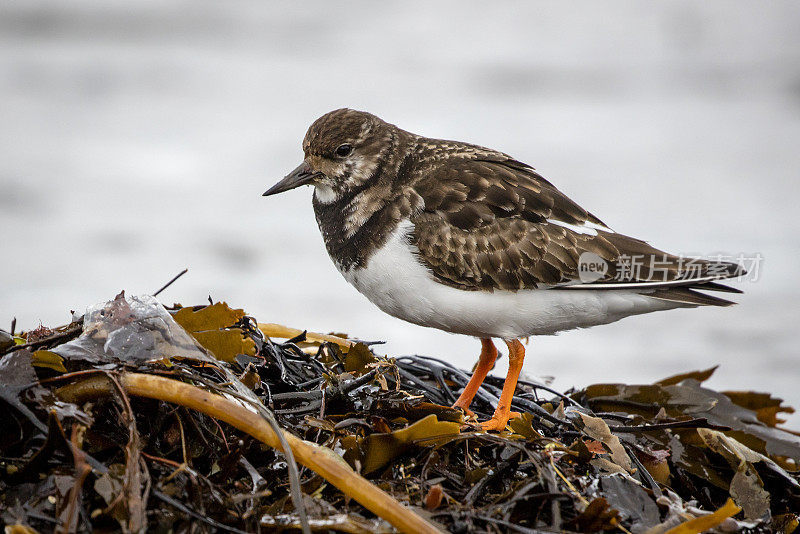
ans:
(396, 282)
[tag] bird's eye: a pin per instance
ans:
(344, 150)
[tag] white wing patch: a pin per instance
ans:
(587, 228)
(601, 227)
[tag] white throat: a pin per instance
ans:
(324, 194)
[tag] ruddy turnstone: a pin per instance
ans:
(469, 240)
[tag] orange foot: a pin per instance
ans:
(498, 422)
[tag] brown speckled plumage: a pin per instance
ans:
(481, 219)
(471, 241)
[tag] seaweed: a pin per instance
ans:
(143, 418)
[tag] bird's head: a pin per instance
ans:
(343, 150)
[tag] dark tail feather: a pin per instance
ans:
(687, 296)
(714, 286)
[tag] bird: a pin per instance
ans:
(469, 240)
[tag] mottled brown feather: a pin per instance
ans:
(481, 219)
(490, 214)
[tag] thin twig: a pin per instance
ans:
(643, 472)
(701, 422)
(82, 470)
(191, 513)
(132, 495)
(165, 286)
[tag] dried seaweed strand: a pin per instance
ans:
(317, 458)
(294, 474)
(285, 332)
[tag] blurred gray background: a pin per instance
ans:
(137, 138)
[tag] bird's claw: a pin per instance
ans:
(498, 422)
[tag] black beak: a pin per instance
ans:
(302, 175)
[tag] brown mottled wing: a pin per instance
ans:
(486, 225)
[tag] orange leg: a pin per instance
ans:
(516, 354)
(485, 364)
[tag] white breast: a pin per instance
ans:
(398, 283)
